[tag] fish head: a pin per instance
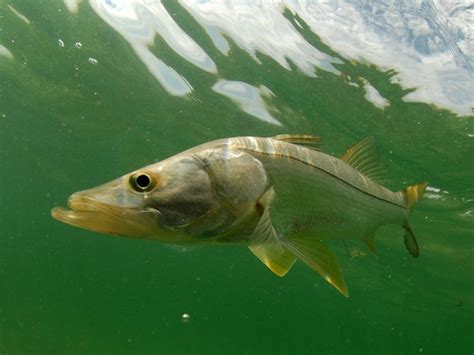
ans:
(181, 200)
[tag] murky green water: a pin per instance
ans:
(68, 123)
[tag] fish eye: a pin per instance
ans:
(142, 182)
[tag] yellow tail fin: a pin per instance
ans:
(413, 193)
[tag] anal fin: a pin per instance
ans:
(317, 256)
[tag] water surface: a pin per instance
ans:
(92, 90)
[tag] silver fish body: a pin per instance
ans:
(320, 194)
(279, 196)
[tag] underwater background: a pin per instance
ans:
(92, 90)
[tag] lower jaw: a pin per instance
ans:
(122, 223)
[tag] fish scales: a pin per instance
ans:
(321, 194)
(278, 196)
(334, 167)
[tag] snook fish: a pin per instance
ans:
(280, 196)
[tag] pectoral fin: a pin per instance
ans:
(265, 243)
(317, 256)
(280, 254)
(278, 260)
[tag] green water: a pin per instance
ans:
(66, 125)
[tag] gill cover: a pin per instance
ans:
(238, 181)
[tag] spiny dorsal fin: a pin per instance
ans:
(265, 243)
(317, 256)
(363, 157)
(311, 142)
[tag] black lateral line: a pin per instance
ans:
(324, 171)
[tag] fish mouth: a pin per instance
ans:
(91, 214)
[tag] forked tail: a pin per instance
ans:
(412, 194)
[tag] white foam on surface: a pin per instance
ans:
(139, 22)
(259, 27)
(5, 52)
(428, 43)
(72, 5)
(247, 97)
(372, 95)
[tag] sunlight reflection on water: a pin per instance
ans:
(247, 97)
(426, 43)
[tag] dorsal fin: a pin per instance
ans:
(311, 142)
(364, 157)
